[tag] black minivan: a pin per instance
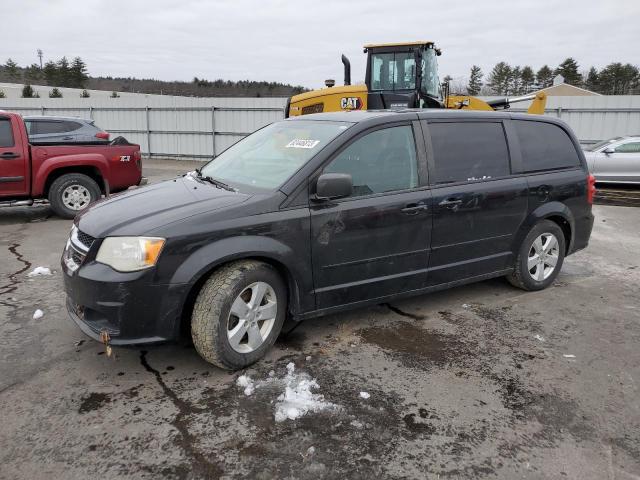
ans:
(327, 212)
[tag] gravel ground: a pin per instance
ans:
(478, 381)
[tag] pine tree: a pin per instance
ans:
(592, 81)
(84, 94)
(500, 78)
(114, 94)
(78, 74)
(27, 92)
(33, 74)
(569, 71)
(619, 79)
(65, 77)
(12, 70)
(50, 72)
(475, 81)
(544, 77)
(2, 95)
(55, 93)
(515, 82)
(527, 79)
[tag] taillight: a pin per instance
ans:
(102, 135)
(591, 188)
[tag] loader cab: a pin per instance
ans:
(403, 75)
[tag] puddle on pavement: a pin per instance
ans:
(412, 342)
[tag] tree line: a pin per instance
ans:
(504, 79)
(73, 74)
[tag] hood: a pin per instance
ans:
(138, 211)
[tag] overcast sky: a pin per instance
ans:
(300, 41)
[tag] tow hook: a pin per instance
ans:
(105, 339)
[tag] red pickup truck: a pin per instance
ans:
(69, 176)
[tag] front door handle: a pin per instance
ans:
(414, 208)
(449, 202)
(67, 138)
(8, 155)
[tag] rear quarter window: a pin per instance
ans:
(545, 146)
(468, 151)
(6, 134)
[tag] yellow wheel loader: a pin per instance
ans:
(398, 76)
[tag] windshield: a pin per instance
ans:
(430, 81)
(596, 146)
(268, 157)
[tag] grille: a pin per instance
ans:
(77, 258)
(85, 239)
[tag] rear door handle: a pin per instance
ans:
(67, 138)
(8, 155)
(448, 202)
(414, 208)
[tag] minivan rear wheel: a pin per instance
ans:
(238, 314)
(540, 257)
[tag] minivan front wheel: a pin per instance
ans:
(238, 314)
(540, 257)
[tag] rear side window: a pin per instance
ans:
(545, 146)
(43, 127)
(633, 147)
(469, 151)
(6, 134)
(70, 126)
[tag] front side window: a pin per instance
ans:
(468, 151)
(393, 71)
(381, 161)
(631, 147)
(6, 133)
(270, 156)
(545, 146)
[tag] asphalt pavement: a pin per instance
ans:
(480, 381)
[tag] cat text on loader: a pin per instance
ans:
(398, 76)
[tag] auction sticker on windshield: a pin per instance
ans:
(301, 143)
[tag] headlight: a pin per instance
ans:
(128, 254)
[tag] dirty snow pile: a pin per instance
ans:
(298, 397)
(39, 271)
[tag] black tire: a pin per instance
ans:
(521, 276)
(77, 180)
(211, 312)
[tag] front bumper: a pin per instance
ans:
(128, 306)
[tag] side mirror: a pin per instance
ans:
(333, 185)
(609, 150)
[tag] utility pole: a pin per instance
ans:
(40, 56)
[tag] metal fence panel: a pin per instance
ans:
(184, 126)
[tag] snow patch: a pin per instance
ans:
(38, 314)
(244, 381)
(364, 395)
(300, 395)
(539, 337)
(39, 271)
(466, 305)
(357, 424)
(568, 355)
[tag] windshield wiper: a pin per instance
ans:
(215, 182)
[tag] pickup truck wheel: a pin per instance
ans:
(238, 314)
(71, 193)
(540, 257)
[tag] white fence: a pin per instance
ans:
(164, 126)
(169, 126)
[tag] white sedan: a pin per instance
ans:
(616, 160)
